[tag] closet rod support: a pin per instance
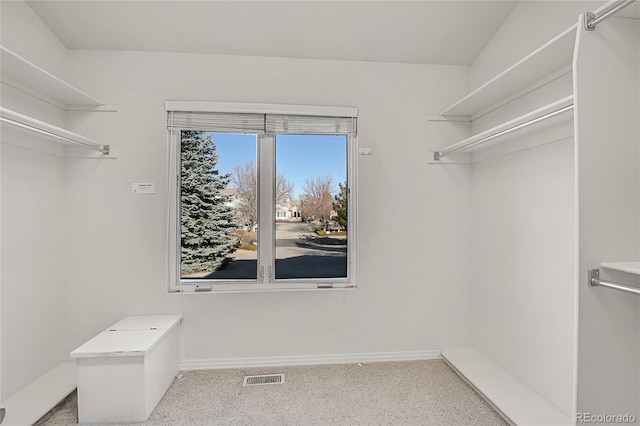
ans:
(472, 144)
(104, 149)
(595, 281)
(592, 19)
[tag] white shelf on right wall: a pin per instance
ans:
(544, 65)
(629, 267)
(547, 62)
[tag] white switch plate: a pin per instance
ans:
(365, 151)
(143, 188)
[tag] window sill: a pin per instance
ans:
(268, 288)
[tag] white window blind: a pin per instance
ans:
(216, 121)
(305, 125)
(259, 123)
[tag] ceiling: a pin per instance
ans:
(421, 32)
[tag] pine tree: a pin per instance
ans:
(340, 205)
(207, 223)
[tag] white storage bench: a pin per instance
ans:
(124, 371)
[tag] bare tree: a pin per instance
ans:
(317, 200)
(284, 188)
(245, 179)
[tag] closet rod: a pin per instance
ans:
(592, 19)
(594, 281)
(100, 148)
(439, 154)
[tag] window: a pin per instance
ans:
(263, 197)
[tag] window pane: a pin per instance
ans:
(311, 199)
(218, 206)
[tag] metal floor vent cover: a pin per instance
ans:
(268, 379)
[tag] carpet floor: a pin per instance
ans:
(387, 393)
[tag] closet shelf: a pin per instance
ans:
(475, 142)
(53, 132)
(16, 69)
(629, 267)
(548, 62)
(512, 398)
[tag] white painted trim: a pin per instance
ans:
(210, 364)
(260, 108)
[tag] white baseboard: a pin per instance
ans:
(209, 364)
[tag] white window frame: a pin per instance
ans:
(267, 212)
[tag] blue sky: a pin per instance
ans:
(297, 156)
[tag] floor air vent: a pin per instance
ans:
(269, 379)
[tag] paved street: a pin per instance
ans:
(300, 253)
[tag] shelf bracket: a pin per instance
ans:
(434, 157)
(589, 17)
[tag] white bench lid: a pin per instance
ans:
(119, 343)
(131, 336)
(146, 322)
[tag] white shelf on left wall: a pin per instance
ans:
(26, 74)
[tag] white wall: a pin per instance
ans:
(416, 233)
(523, 306)
(413, 231)
(33, 260)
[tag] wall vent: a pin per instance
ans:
(268, 379)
